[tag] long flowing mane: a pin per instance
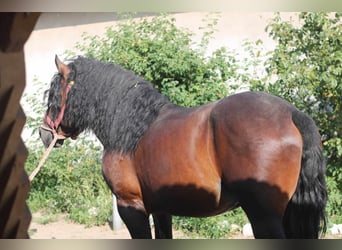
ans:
(117, 105)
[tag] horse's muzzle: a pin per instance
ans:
(47, 137)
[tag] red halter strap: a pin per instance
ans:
(53, 125)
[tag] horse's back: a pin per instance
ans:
(252, 106)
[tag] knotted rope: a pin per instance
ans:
(46, 153)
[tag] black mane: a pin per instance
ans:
(54, 99)
(117, 105)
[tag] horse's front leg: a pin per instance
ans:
(136, 221)
(120, 175)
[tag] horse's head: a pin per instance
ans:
(54, 123)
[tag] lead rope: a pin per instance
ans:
(55, 135)
(46, 154)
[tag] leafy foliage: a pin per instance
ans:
(166, 55)
(71, 182)
(215, 227)
(335, 201)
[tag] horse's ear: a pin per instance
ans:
(61, 67)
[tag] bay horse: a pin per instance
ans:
(251, 150)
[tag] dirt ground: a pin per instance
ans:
(64, 229)
(61, 228)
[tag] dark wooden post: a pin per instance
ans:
(15, 216)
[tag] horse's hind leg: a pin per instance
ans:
(264, 206)
(266, 225)
(163, 225)
(136, 221)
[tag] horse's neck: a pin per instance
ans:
(119, 120)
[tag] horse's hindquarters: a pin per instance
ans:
(258, 147)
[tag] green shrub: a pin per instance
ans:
(71, 182)
(334, 205)
(164, 54)
(216, 227)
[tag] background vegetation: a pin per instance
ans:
(304, 68)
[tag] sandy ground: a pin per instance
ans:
(64, 229)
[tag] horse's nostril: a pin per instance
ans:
(46, 136)
(59, 143)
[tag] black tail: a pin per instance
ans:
(305, 214)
